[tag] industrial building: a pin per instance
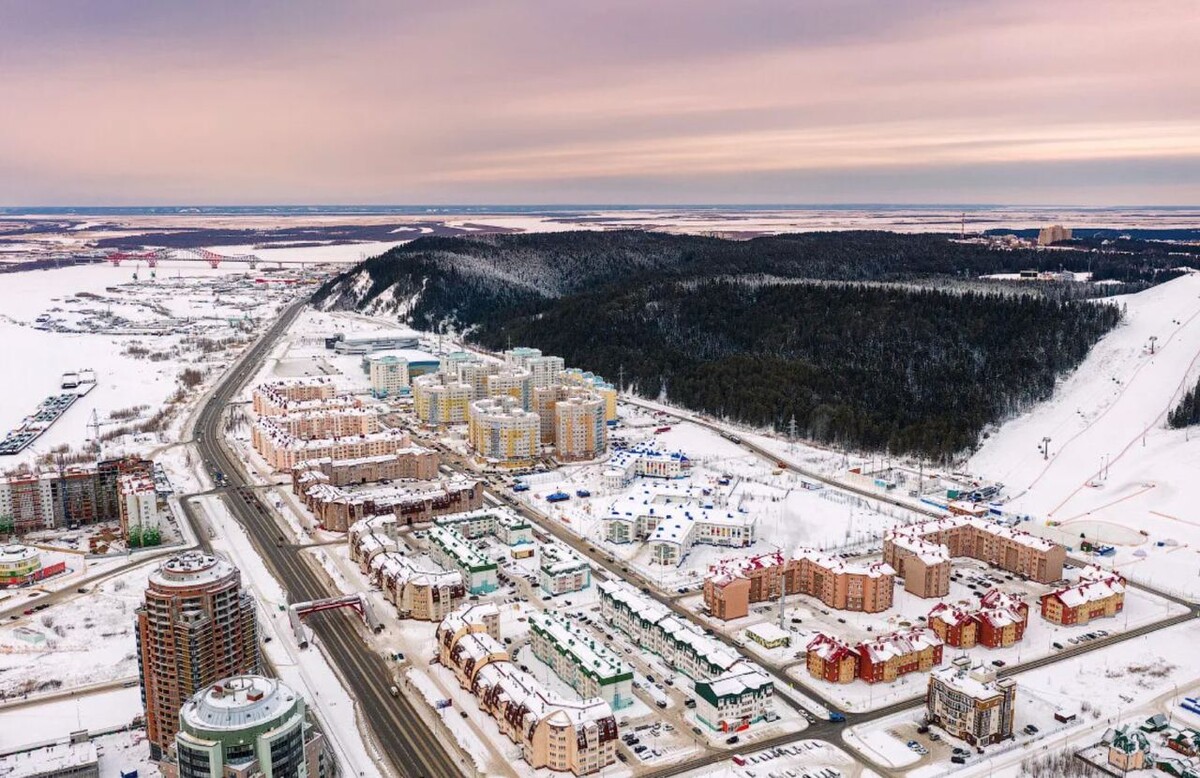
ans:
(248, 726)
(195, 627)
(371, 341)
(970, 703)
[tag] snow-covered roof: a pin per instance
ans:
(1092, 590)
(727, 570)
(238, 703)
(585, 650)
(830, 648)
(555, 559)
(769, 632)
(977, 682)
(898, 644)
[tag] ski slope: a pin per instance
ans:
(1115, 474)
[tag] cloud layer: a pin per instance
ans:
(544, 101)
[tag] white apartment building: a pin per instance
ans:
(671, 522)
(389, 375)
(561, 570)
(580, 660)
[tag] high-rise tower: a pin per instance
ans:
(196, 627)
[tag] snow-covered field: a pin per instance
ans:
(67, 646)
(138, 337)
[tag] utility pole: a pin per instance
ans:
(782, 600)
(621, 380)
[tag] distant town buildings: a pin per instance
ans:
(247, 726)
(581, 432)
(1098, 594)
(921, 553)
(733, 584)
(553, 732)
(1053, 234)
(970, 703)
(195, 627)
(441, 398)
(998, 621)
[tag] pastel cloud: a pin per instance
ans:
(548, 101)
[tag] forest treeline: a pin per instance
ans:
(758, 331)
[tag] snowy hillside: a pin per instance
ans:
(1115, 473)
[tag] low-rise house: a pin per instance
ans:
(1129, 749)
(832, 659)
(1098, 594)
(887, 657)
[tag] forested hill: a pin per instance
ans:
(735, 329)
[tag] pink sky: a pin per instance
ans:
(559, 101)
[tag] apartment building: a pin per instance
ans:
(195, 627)
(573, 376)
(887, 657)
(671, 521)
(452, 550)
(414, 502)
(970, 703)
(281, 396)
(440, 398)
(998, 621)
(1098, 594)
(244, 727)
(831, 659)
(644, 460)
(563, 735)
(544, 370)
(561, 570)
(504, 524)
(581, 431)
(388, 374)
(140, 506)
(921, 553)
(411, 463)
(320, 423)
(515, 383)
(282, 451)
(67, 496)
(502, 433)
(418, 587)
(733, 584)
(580, 660)
(736, 700)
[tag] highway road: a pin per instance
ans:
(411, 748)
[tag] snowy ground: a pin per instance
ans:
(138, 336)
(1127, 681)
(805, 757)
(1116, 474)
(67, 646)
(28, 724)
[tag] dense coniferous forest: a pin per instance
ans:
(873, 340)
(1187, 412)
